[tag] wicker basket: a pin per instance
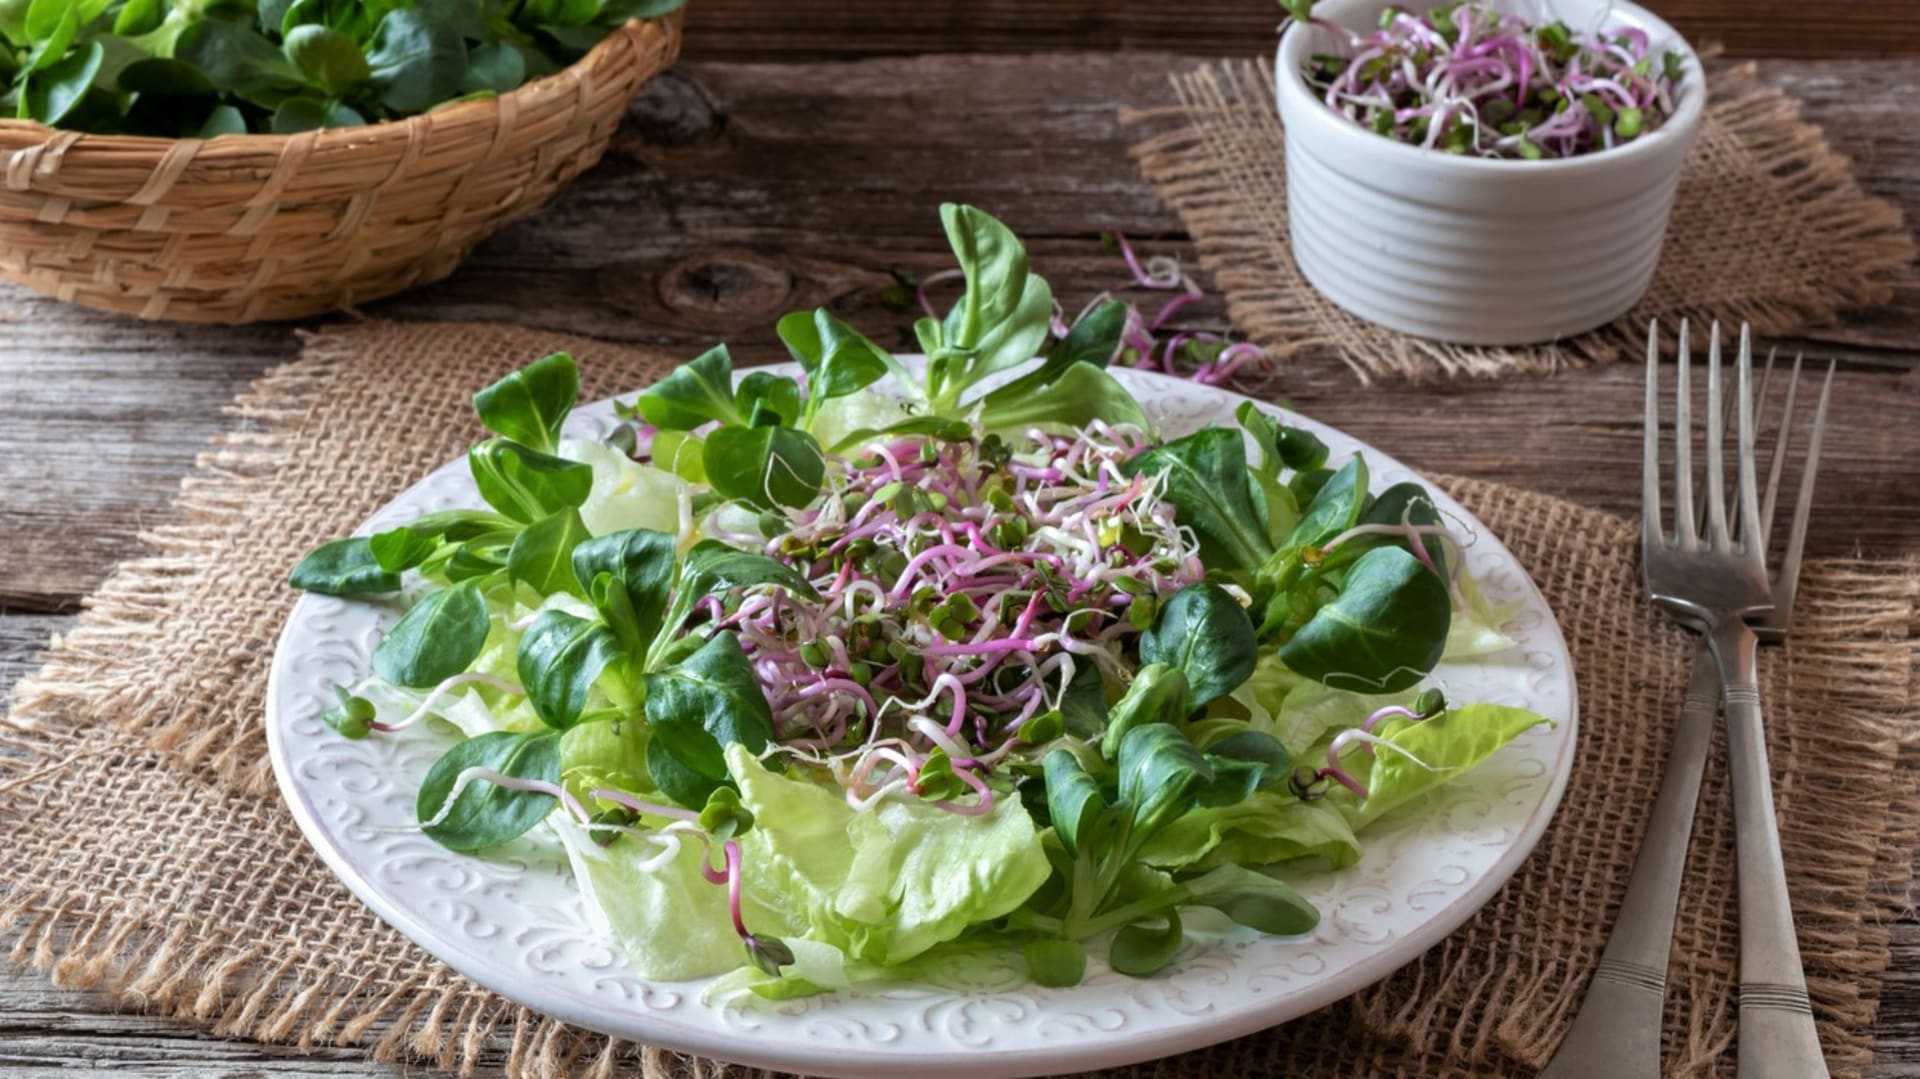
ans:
(247, 228)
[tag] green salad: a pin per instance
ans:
(201, 68)
(819, 678)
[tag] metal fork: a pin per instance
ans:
(1617, 1030)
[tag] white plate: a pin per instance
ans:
(515, 923)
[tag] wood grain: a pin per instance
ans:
(838, 29)
(740, 190)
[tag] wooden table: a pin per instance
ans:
(738, 191)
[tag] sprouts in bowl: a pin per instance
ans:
(1484, 246)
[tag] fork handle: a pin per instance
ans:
(1616, 1033)
(1778, 1039)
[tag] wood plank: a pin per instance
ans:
(47, 1032)
(740, 191)
(840, 29)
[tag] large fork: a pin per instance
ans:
(1720, 590)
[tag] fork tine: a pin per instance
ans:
(1789, 578)
(1754, 547)
(1652, 533)
(1683, 530)
(1782, 445)
(1717, 538)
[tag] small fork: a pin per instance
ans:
(1720, 590)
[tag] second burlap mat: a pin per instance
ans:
(1768, 227)
(148, 853)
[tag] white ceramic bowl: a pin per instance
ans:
(1476, 250)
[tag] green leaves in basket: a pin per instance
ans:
(201, 68)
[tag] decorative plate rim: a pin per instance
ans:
(1217, 1019)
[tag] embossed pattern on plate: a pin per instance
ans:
(515, 923)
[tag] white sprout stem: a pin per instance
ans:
(431, 705)
(1354, 735)
(649, 809)
(500, 779)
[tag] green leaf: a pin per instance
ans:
(237, 59)
(1254, 900)
(437, 639)
(712, 567)
(1144, 947)
(561, 657)
(1449, 744)
(499, 66)
(711, 700)
(764, 466)
(619, 11)
(767, 399)
(164, 77)
(54, 91)
(328, 58)
(1243, 763)
(1094, 339)
(1157, 694)
(457, 525)
(1382, 633)
(271, 16)
(938, 427)
(297, 114)
(525, 484)
(1057, 963)
(416, 61)
(401, 549)
(605, 753)
(1267, 827)
(838, 359)
(345, 567)
(1159, 772)
(1335, 508)
(1207, 483)
(676, 779)
(888, 884)
(1001, 295)
(138, 17)
(639, 562)
(486, 815)
(223, 120)
(543, 554)
(1403, 503)
(1081, 394)
(530, 405)
(697, 392)
(1074, 801)
(1205, 634)
(51, 25)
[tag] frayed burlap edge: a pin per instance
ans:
(151, 962)
(234, 987)
(283, 420)
(1278, 309)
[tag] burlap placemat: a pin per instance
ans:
(147, 852)
(1769, 227)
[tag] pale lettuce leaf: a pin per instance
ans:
(886, 884)
(672, 923)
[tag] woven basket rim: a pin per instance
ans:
(18, 134)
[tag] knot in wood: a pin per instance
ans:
(726, 288)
